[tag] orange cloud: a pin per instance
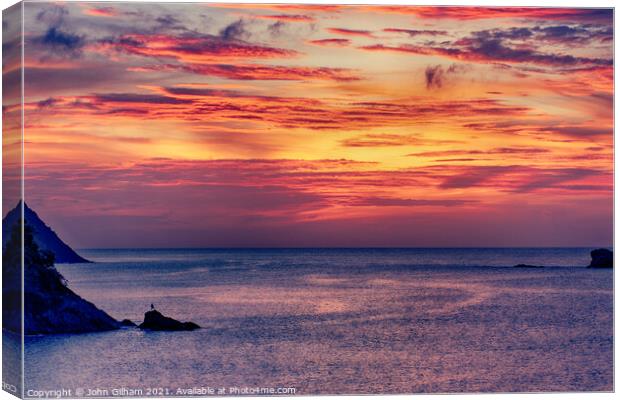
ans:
(192, 49)
(193, 104)
(101, 12)
(259, 71)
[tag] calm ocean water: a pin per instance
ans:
(339, 321)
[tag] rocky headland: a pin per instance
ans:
(49, 305)
(45, 238)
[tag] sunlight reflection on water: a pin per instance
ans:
(323, 328)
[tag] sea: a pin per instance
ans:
(335, 321)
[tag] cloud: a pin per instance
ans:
(393, 140)
(579, 132)
(138, 98)
(473, 176)
(401, 202)
(517, 45)
(287, 17)
(278, 187)
(244, 192)
(547, 130)
(416, 32)
(492, 50)
(557, 34)
(554, 178)
(333, 42)
(127, 111)
(101, 11)
(517, 178)
(464, 13)
(351, 32)
(168, 22)
(260, 72)
(599, 15)
(52, 15)
(326, 8)
(62, 41)
(49, 102)
(235, 31)
(518, 150)
(381, 140)
(286, 112)
(195, 48)
(460, 160)
(527, 151)
(43, 81)
(57, 42)
(275, 29)
(502, 34)
(434, 76)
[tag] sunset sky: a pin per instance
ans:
(193, 125)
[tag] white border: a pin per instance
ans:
(497, 3)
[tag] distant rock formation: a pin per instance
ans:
(128, 322)
(44, 236)
(601, 258)
(528, 266)
(155, 321)
(49, 305)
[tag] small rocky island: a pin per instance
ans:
(601, 258)
(155, 321)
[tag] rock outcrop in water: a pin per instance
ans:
(601, 258)
(528, 266)
(49, 305)
(156, 321)
(45, 238)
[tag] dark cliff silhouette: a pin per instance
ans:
(44, 236)
(49, 305)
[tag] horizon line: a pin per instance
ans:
(343, 247)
